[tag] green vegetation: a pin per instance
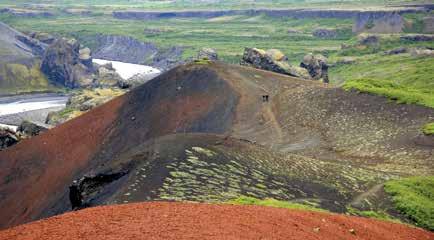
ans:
(228, 35)
(16, 78)
(270, 202)
(403, 78)
(428, 129)
(381, 215)
(414, 197)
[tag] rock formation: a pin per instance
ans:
(63, 64)
(317, 66)
(8, 138)
(29, 129)
(272, 60)
(378, 22)
(208, 53)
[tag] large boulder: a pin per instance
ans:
(208, 53)
(272, 60)
(317, 66)
(63, 66)
(29, 129)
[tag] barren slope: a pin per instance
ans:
(202, 221)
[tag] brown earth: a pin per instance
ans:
(201, 132)
(163, 220)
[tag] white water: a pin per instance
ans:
(26, 105)
(127, 70)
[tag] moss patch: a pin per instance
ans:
(414, 197)
(271, 202)
(428, 129)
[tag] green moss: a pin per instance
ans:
(270, 202)
(392, 90)
(414, 197)
(428, 129)
(20, 78)
(381, 215)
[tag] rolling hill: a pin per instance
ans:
(210, 132)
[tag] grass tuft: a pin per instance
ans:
(428, 129)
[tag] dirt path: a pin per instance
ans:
(163, 220)
(372, 191)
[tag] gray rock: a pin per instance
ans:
(208, 53)
(272, 60)
(29, 129)
(317, 66)
(63, 66)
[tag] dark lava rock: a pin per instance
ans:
(272, 60)
(7, 138)
(418, 38)
(317, 66)
(30, 129)
(208, 53)
(369, 40)
(62, 64)
(325, 33)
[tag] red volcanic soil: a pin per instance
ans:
(163, 220)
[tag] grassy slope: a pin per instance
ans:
(414, 197)
(270, 202)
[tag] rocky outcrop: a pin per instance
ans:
(86, 189)
(379, 22)
(208, 53)
(272, 60)
(317, 66)
(368, 40)
(82, 101)
(130, 50)
(422, 52)
(63, 64)
(38, 48)
(107, 76)
(7, 138)
(29, 129)
(325, 33)
(19, 63)
(43, 37)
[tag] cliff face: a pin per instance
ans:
(378, 22)
(294, 13)
(127, 49)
